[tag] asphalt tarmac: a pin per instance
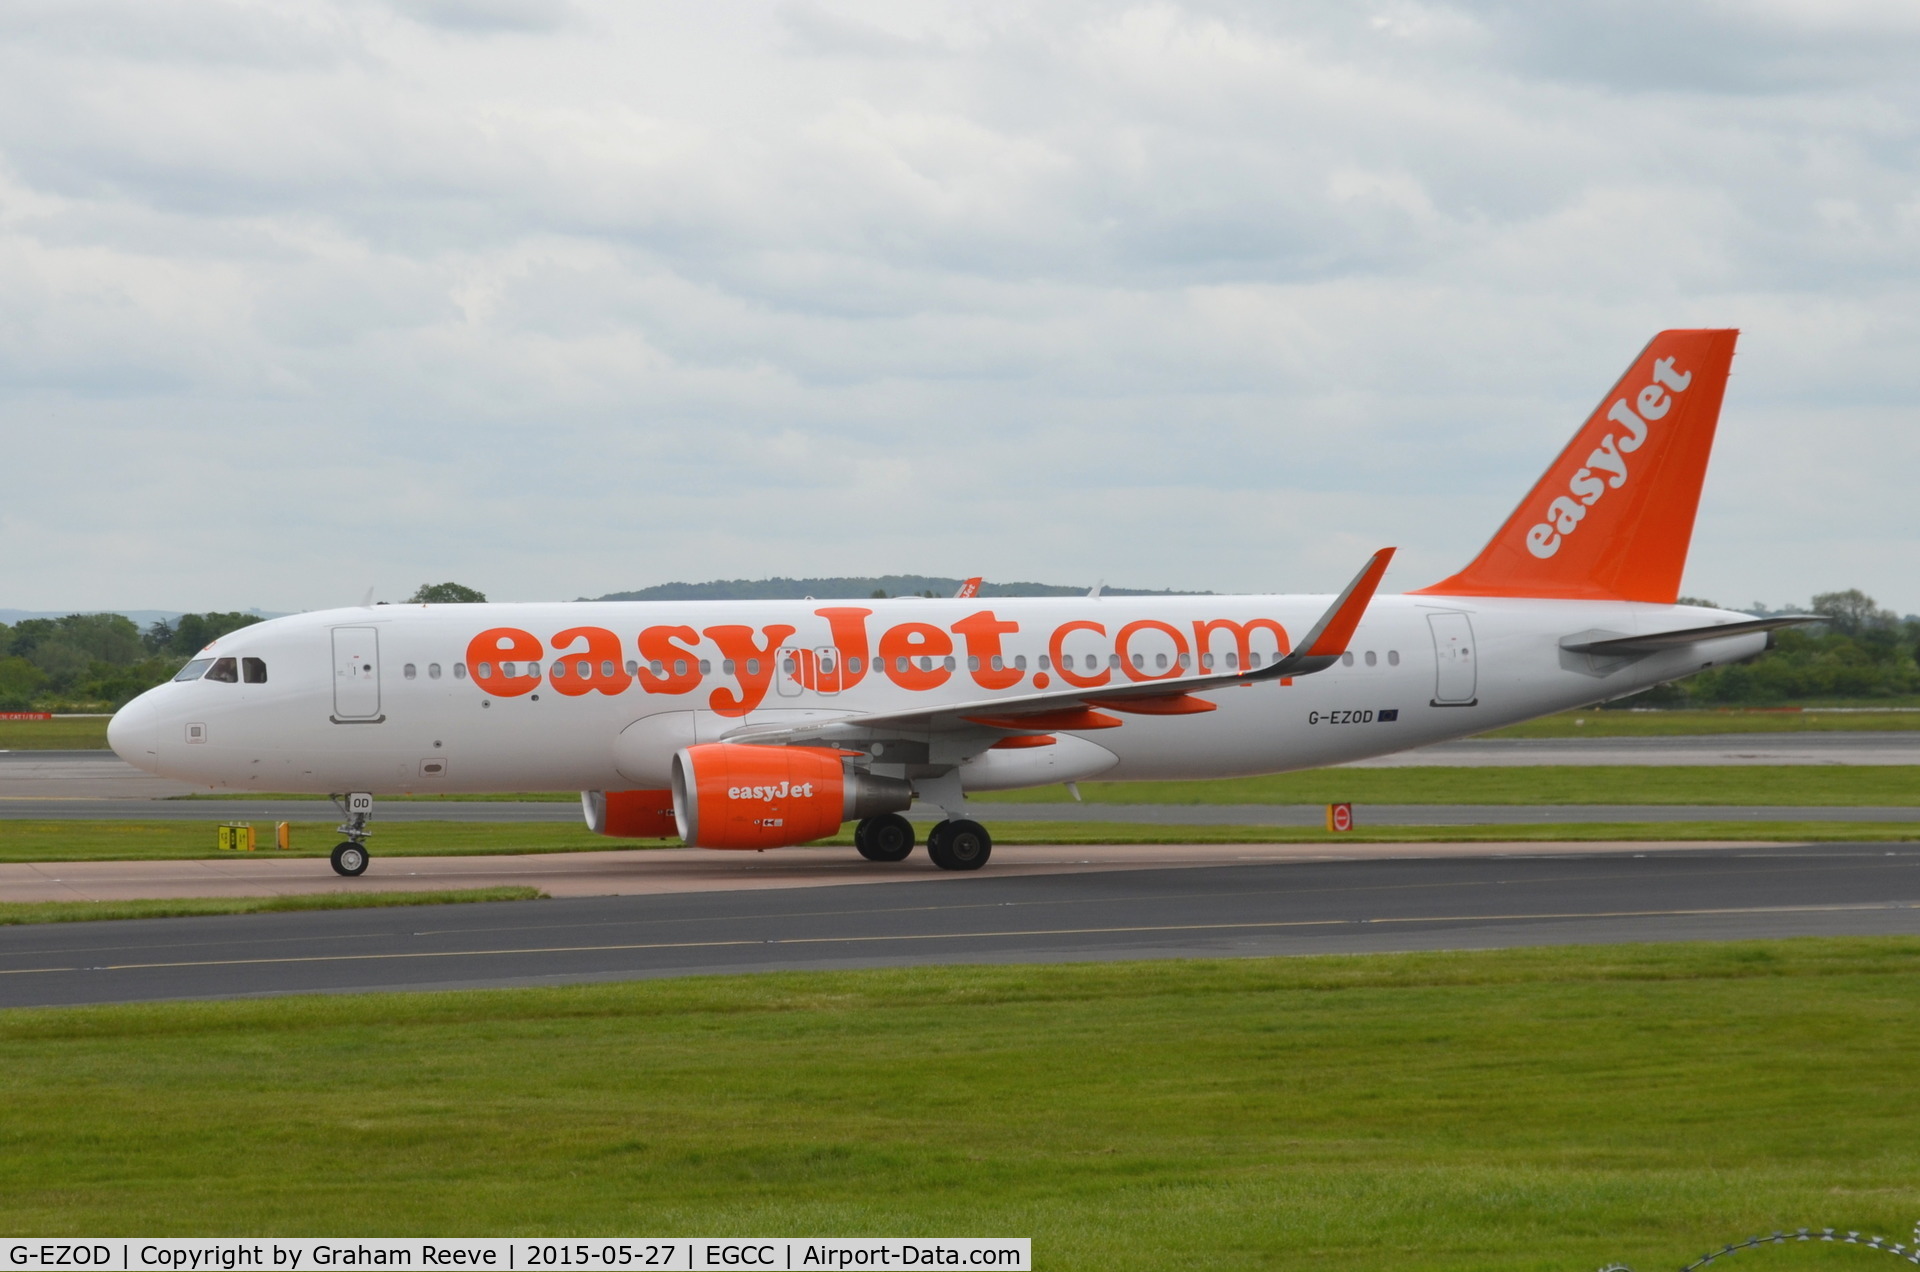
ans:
(1246, 910)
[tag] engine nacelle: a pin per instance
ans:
(630, 814)
(732, 795)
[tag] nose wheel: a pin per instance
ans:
(350, 858)
(959, 845)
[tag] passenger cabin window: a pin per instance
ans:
(194, 670)
(1372, 658)
(433, 671)
(459, 671)
(253, 671)
(409, 672)
(1346, 659)
(1393, 658)
(226, 670)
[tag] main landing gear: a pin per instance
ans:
(350, 858)
(959, 845)
(952, 845)
(888, 837)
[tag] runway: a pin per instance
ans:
(1239, 910)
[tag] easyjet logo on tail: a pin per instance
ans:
(1638, 461)
(1566, 512)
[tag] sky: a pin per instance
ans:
(561, 297)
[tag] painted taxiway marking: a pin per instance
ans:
(979, 936)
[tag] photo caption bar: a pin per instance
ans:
(762, 1254)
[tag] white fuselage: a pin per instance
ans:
(384, 699)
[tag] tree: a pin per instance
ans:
(158, 638)
(446, 594)
(1853, 612)
(195, 631)
(20, 680)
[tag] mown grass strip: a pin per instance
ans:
(1524, 1109)
(114, 840)
(1867, 718)
(1766, 785)
(25, 841)
(89, 734)
(14, 913)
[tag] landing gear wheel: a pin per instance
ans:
(349, 859)
(959, 845)
(888, 837)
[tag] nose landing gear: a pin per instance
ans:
(350, 858)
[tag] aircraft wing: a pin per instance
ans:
(1075, 708)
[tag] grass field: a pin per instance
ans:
(1827, 784)
(1531, 1109)
(165, 840)
(13, 913)
(1648, 724)
(88, 734)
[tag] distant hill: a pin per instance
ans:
(780, 589)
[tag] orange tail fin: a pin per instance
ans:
(1612, 517)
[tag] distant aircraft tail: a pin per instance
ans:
(1613, 516)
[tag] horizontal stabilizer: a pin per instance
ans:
(1654, 642)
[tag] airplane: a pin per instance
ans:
(752, 725)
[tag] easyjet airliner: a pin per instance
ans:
(759, 724)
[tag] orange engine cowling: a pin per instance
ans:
(630, 814)
(732, 795)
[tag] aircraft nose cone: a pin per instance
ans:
(134, 734)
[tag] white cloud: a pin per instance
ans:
(563, 298)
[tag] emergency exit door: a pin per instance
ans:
(356, 673)
(1455, 660)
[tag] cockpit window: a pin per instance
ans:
(226, 670)
(194, 670)
(253, 671)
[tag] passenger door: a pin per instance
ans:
(1455, 676)
(356, 674)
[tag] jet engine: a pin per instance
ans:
(630, 814)
(733, 795)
